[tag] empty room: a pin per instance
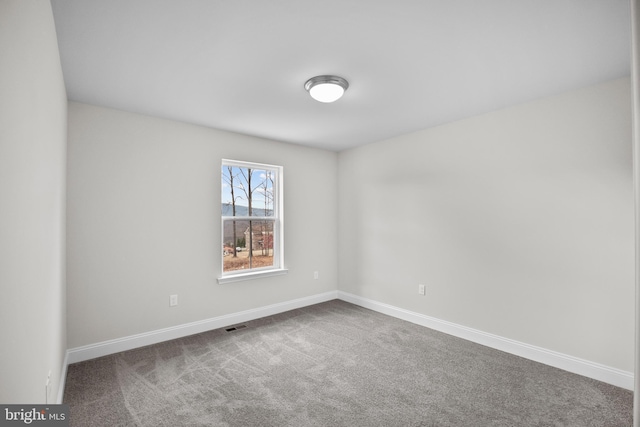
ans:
(339, 213)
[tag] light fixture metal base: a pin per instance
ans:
(335, 80)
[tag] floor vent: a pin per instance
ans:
(235, 328)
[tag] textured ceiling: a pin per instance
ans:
(241, 65)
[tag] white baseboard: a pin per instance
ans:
(105, 348)
(572, 364)
(63, 378)
(578, 366)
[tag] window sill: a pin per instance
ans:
(252, 275)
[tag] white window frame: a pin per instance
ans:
(278, 232)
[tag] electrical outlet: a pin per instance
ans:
(173, 300)
(316, 275)
(422, 289)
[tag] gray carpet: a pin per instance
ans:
(333, 364)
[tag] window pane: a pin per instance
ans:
(247, 191)
(247, 244)
(262, 196)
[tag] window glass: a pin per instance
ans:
(250, 217)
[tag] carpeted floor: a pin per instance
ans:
(333, 364)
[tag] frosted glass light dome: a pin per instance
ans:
(326, 88)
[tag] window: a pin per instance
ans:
(251, 220)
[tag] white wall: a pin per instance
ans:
(520, 222)
(635, 96)
(32, 185)
(143, 223)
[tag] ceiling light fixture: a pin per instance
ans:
(326, 88)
